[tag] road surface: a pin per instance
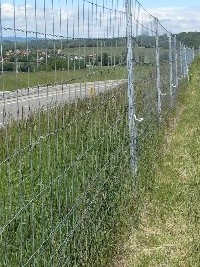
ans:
(21, 103)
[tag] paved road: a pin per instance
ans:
(14, 104)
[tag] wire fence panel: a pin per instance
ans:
(74, 139)
(159, 67)
(63, 130)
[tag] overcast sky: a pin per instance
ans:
(175, 15)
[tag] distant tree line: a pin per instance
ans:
(191, 39)
(58, 44)
(24, 64)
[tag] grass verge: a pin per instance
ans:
(169, 218)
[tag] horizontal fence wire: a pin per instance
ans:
(85, 86)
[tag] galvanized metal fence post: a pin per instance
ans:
(171, 71)
(158, 83)
(186, 61)
(183, 53)
(131, 93)
(176, 62)
(181, 60)
(193, 53)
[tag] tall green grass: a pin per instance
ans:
(65, 183)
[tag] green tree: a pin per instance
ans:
(7, 66)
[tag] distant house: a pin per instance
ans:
(9, 52)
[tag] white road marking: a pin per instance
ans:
(49, 96)
(45, 95)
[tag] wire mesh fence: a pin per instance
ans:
(74, 140)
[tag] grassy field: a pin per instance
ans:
(169, 217)
(11, 81)
(110, 50)
(80, 51)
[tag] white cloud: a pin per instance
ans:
(67, 22)
(102, 23)
(29, 19)
(7, 11)
(178, 19)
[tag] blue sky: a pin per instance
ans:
(170, 3)
(145, 3)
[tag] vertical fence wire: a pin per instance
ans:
(84, 89)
